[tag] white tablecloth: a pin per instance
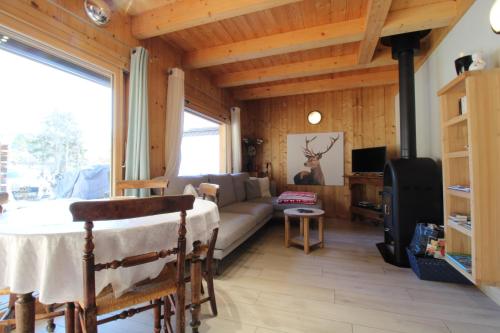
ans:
(42, 251)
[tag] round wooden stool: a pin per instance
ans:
(305, 240)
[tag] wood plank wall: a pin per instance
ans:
(366, 116)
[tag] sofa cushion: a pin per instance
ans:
(260, 211)
(233, 226)
(226, 188)
(239, 185)
(264, 187)
(252, 189)
(176, 185)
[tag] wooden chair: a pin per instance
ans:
(170, 283)
(209, 190)
(160, 184)
(7, 305)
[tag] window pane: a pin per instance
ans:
(55, 130)
(200, 149)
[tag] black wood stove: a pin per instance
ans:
(412, 186)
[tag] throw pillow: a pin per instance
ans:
(252, 188)
(190, 190)
(264, 187)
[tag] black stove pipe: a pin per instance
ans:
(404, 47)
(407, 104)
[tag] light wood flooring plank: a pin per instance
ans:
(345, 287)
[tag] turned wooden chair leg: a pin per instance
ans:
(78, 322)
(69, 318)
(157, 316)
(167, 315)
(25, 313)
(195, 287)
(209, 277)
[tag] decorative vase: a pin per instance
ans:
(462, 64)
(478, 62)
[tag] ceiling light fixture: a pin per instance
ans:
(98, 11)
(495, 17)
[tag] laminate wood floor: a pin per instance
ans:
(345, 287)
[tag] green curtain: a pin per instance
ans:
(137, 151)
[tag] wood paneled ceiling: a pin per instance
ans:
(265, 48)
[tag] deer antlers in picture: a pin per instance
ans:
(308, 152)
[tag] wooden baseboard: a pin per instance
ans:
(491, 292)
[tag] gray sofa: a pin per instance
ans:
(239, 218)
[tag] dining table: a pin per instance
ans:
(41, 251)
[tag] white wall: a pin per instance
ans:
(471, 34)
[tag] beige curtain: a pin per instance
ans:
(236, 138)
(174, 122)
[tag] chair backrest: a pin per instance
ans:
(4, 198)
(102, 210)
(209, 190)
(159, 184)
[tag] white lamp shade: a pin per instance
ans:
(495, 17)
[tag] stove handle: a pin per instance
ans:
(387, 209)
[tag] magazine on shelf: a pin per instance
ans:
(461, 188)
(463, 261)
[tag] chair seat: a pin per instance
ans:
(145, 291)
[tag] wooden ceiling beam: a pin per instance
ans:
(186, 14)
(297, 40)
(427, 16)
(430, 16)
(302, 69)
(310, 87)
(375, 18)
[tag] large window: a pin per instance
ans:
(200, 151)
(55, 127)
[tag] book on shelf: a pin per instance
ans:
(462, 220)
(460, 188)
(463, 261)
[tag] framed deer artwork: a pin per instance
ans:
(315, 159)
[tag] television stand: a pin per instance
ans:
(368, 188)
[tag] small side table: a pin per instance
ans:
(305, 240)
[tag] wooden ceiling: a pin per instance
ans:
(267, 48)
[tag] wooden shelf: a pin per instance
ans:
(471, 157)
(459, 228)
(367, 179)
(366, 212)
(460, 194)
(456, 120)
(458, 154)
(460, 269)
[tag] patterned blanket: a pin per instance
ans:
(291, 197)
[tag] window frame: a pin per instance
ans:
(45, 42)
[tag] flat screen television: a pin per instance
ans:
(368, 159)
